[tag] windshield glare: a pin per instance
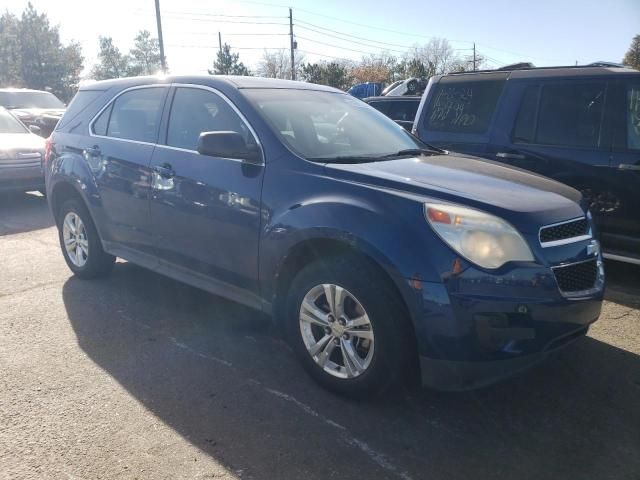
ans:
(324, 125)
(29, 100)
(8, 124)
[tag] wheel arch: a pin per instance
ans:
(312, 249)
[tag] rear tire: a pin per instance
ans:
(80, 243)
(366, 358)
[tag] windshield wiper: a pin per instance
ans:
(345, 159)
(415, 151)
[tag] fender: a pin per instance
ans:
(70, 168)
(393, 244)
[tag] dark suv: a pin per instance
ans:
(401, 109)
(578, 125)
(375, 252)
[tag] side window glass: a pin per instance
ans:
(571, 114)
(524, 129)
(136, 115)
(463, 107)
(101, 123)
(194, 111)
(633, 117)
(380, 106)
(403, 110)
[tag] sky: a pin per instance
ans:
(544, 32)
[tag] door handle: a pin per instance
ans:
(165, 170)
(510, 156)
(628, 166)
(93, 151)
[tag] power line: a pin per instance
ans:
(302, 24)
(334, 46)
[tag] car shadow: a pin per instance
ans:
(623, 283)
(219, 375)
(23, 212)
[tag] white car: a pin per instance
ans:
(21, 155)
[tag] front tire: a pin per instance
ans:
(80, 243)
(347, 327)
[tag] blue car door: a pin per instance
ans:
(121, 142)
(205, 211)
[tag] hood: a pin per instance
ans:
(525, 199)
(21, 141)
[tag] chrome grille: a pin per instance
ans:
(565, 232)
(21, 159)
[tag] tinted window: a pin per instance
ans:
(194, 111)
(463, 107)
(324, 125)
(80, 101)
(571, 114)
(380, 106)
(525, 126)
(402, 110)
(633, 117)
(135, 115)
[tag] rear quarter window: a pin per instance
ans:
(80, 102)
(463, 107)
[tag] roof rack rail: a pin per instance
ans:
(530, 66)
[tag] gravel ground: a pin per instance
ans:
(139, 377)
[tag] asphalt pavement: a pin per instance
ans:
(137, 376)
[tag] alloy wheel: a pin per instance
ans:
(75, 238)
(336, 331)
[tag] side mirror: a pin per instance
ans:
(35, 129)
(228, 145)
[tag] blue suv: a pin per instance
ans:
(379, 255)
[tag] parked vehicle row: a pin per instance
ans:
(379, 255)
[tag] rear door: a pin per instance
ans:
(625, 164)
(459, 112)
(118, 151)
(205, 210)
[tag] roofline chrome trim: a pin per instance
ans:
(182, 85)
(565, 241)
(113, 99)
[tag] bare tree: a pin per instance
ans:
(277, 64)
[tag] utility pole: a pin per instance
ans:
(220, 42)
(474, 56)
(293, 66)
(160, 40)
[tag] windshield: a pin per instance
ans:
(29, 100)
(9, 124)
(325, 125)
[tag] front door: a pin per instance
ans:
(205, 211)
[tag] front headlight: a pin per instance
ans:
(481, 238)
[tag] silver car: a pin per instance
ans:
(21, 155)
